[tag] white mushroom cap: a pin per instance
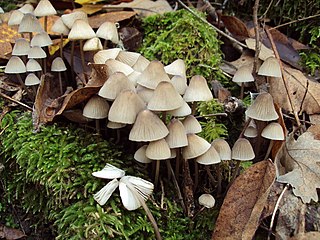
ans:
(196, 146)
(180, 83)
(44, 8)
(109, 172)
(58, 65)
(140, 155)
(129, 58)
(177, 136)
(141, 64)
(33, 65)
(105, 193)
(27, 8)
(60, 27)
(41, 39)
(158, 150)
(191, 124)
(29, 23)
(15, 65)
(32, 80)
(108, 31)
(117, 66)
(209, 157)
(207, 200)
(243, 74)
(251, 132)
(102, 56)
(115, 125)
(177, 67)
(93, 44)
(15, 18)
(81, 30)
(70, 18)
(222, 148)
(145, 93)
(182, 111)
(21, 47)
(242, 150)
(36, 52)
(96, 108)
(197, 90)
(270, 67)
(273, 131)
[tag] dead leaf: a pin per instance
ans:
(91, 8)
(236, 27)
(305, 94)
(264, 53)
(242, 207)
(118, 16)
(56, 45)
(82, 2)
(10, 233)
(298, 164)
(131, 38)
(75, 115)
(8, 34)
(306, 236)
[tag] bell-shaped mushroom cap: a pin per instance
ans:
(29, 23)
(209, 157)
(141, 64)
(108, 31)
(243, 74)
(179, 83)
(140, 155)
(93, 44)
(191, 124)
(31, 80)
(27, 8)
(36, 52)
(262, 108)
(60, 27)
(58, 65)
(81, 30)
(207, 200)
(177, 67)
(117, 66)
(129, 58)
(70, 18)
(250, 132)
(182, 111)
(15, 18)
(242, 150)
(129, 187)
(197, 90)
(44, 8)
(96, 108)
(33, 65)
(177, 136)
(273, 131)
(116, 83)
(153, 75)
(165, 98)
(196, 146)
(105, 193)
(115, 125)
(270, 67)
(158, 150)
(41, 39)
(102, 56)
(109, 172)
(133, 77)
(222, 148)
(21, 47)
(15, 65)
(148, 127)
(126, 107)
(144, 93)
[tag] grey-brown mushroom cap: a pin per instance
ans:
(250, 132)
(196, 146)
(32, 80)
(270, 67)
(81, 30)
(207, 200)
(33, 65)
(242, 150)
(197, 90)
(58, 65)
(158, 150)
(273, 131)
(209, 157)
(191, 124)
(222, 148)
(140, 155)
(96, 108)
(243, 74)
(44, 8)
(15, 65)
(177, 136)
(21, 47)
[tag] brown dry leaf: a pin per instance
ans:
(298, 164)
(264, 53)
(8, 35)
(131, 38)
(236, 27)
(242, 207)
(91, 8)
(118, 16)
(88, 1)
(305, 94)
(306, 236)
(10, 233)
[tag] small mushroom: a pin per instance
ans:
(274, 132)
(58, 66)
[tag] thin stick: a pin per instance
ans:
(196, 175)
(216, 29)
(213, 115)
(16, 101)
(276, 209)
(269, 149)
(294, 21)
(257, 38)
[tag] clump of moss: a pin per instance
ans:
(180, 34)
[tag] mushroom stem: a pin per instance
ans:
(242, 91)
(269, 149)
(188, 189)
(196, 175)
(177, 169)
(72, 59)
(105, 44)
(156, 176)
(60, 83)
(219, 176)
(83, 61)
(211, 178)
(164, 117)
(24, 86)
(30, 36)
(97, 126)
(45, 23)
(234, 174)
(194, 108)
(61, 45)
(45, 65)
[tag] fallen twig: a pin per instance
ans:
(16, 101)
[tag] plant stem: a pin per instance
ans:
(269, 149)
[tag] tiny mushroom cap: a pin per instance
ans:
(109, 172)
(133, 77)
(44, 8)
(273, 131)
(117, 66)
(148, 127)
(41, 39)
(29, 23)
(15, 65)
(209, 157)
(153, 75)
(81, 30)
(182, 111)
(140, 155)
(116, 83)
(191, 124)
(129, 58)
(180, 83)
(262, 108)
(196, 146)
(33, 65)
(243, 74)
(108, 31)
(70, 18)
(158, 150)
(141, 64)
(251, 132)
(96, 108)
(115, 125)
(21, 47)
(36, 52)
(93, 44)
(26, 8)
(270, 67)
(145, 93)
(60, 27)
(165, 98)
(197, 90)
(177, 136)
(15, 18)
(58, 65)
(222, 148)
(103, 55)
(177, 67)
(31, 80)
(242, 150)
(207, 200)
(126, 107)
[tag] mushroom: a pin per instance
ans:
(117, 66)
(21, 47)
(206, 200)
(33, 66)
(92, 45)
(144, 93)
(141, 64)
(29, 24)
(270, 68)
(58, 66)
(41, 39)
(140, 155)
(129, 58)
(274, 132)
(243, 75)
(32, 80)
(191, 124)
(177, 67)
(108, 31)
(44, 9)
(182, 111)
(103, 55)
(63, 30)
(15, 18)
(180, 83)
(37, 52)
